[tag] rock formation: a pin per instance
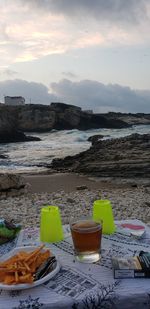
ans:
(16, 136)
(61, 116)
(95, 138)
(126, 157)
(15, 120)
(131, 119)
(9, 131)
(12, 185)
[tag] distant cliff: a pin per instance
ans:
(15, 120)
(131, 119)
(9, 130)
(61, 116)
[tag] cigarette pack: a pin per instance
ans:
(132, 267)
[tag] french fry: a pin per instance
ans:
(26, 266)
(21, 267)
(9, 279)
(33, 253)
(16, 277)
(2, 275)
(26, 279)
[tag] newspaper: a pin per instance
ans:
(79, 285)
(31, 236)
(71, 280)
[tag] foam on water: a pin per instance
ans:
(32, 156)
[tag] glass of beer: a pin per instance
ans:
(86, 235)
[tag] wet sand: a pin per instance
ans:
(68, 182)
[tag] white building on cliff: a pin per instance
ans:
(14, 100)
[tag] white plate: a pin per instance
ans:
(23, 286)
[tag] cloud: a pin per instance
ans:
(102, 98)
(26, 36)
(128, 11)
(31, 29)
(31, 91)
(69, 74)
(88, 94)
(8, 73)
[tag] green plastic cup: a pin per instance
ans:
(102, 211)
(51, 229)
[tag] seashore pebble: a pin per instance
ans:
(131, 202)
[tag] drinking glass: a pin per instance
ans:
(86, 235)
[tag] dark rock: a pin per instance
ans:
(147, 204)
(3, 157)
(61, 107)
(94, 138)
(125, 157)
(132, 119)
(16, 136)
(83, 187)
(12, 185)
(9, 131)
(30, 138)
(70, 200)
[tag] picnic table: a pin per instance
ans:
(78, 285)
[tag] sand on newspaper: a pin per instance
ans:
(75, 194)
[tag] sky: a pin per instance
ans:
(91, 53)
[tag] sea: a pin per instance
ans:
(33, 157)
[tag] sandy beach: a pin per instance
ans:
(75, 194)
(69, 182)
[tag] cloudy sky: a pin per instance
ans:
(91, 53)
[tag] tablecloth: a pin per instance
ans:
(83, 286)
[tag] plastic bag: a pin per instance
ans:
(8, 230)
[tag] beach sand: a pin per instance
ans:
(74, 195)
(69, 182)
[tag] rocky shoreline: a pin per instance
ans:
(126, 157)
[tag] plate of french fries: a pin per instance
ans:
(27, 267)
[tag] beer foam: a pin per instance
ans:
(85, 225)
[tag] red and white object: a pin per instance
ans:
(131, 229)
